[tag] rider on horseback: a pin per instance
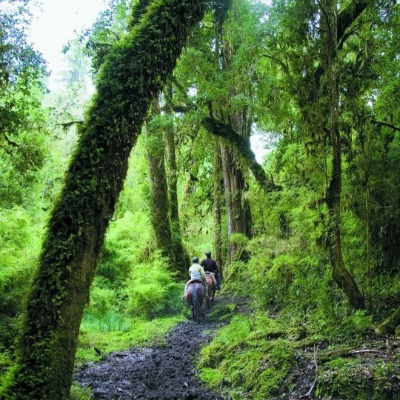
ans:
(210, 265)
(196, 273)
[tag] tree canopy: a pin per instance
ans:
(110, 199)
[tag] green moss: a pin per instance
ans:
(212, 376)
(221, 312)
(359, 380)
(80, 393)
(244, 357)
(132, 74)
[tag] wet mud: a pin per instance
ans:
(167, 372)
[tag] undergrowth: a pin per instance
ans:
(301, 334)
(132, 309)
(250, 356)
(94, 345)
(257, 357)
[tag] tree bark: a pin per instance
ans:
(159, 205)
(132, 75)
(217, 205)
(340, 274)
(182, 259)
(220, 129)
(238, 209)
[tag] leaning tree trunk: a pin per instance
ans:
(132, 75)
(340, 274)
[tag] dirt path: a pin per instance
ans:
(159, 373)
(169, 372)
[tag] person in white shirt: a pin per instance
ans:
(196, 272)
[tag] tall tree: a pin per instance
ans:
(332, 34)
(22, 133)
(164, 201)
(181, 258)
(132, 75)
(155, 154)
(239, 118)
(313, 78)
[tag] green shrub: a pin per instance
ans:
(19, 249)
(80, 393)
(152, 292)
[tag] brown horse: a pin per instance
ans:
(212, 284)
(195, 295)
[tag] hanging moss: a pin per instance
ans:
(132, 75)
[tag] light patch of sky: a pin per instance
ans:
(258, 147)
(261, 143)
(56, 22)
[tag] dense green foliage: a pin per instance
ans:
(130, 77)
(265, 65)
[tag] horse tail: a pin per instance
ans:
(197, 305)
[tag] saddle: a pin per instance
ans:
(195, 281)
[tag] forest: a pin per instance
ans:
(145, 157)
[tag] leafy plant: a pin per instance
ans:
(152, 291)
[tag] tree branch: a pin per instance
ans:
(66, 125)
(220, 129)
(347, 16)
(375, 122)
(9, 141)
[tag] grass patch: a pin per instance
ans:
(140, 333)
(221, 312)
(80, 393)
(106, 322)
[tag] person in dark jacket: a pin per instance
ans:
(210, 265)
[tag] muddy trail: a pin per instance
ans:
(167, 372)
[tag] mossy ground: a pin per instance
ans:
(260, 357)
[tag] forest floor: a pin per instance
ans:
(168, 372)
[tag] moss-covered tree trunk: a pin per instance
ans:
(132, 75)
(340, 274)
(238, 211)
(155, 153)
(390, 324)
(182, 259)
(217, 204)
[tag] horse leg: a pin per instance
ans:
(198, 306)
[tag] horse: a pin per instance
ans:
(212, 284)
(195, 295)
